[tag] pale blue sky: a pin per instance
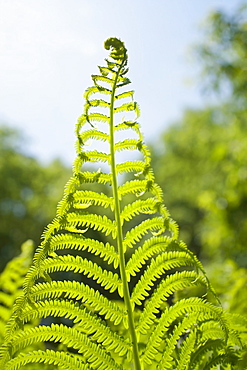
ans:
(50, 48)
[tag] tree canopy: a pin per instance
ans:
(223, 54)
(203, 165)
(29, 192)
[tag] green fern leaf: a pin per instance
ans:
(11, 280)
(186, 350)
(65, 361)
(76, 242)
(112, 247)
(78, 291)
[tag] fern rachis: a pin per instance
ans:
(110, 263)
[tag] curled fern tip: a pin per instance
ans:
(119, 51)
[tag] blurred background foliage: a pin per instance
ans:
(29, 192)
(201, 166)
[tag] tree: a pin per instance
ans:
(29, 193)
(203, 172)
(224, 54)
(203, 166)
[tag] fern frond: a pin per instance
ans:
(72, 241)
(201, 308)
(126, 94)
(168, 360)
(64, 360)
(147, 250)
(112, 248)
(204, 350)
(165, 289)
(139, 188)
(93, 135)
(126, 125)
(108, 80)
(147, 206)
(96, 117)
(127, 144)
(186, 350)
(132, 106)
(222, 359)
(87, 197)
(74, 339)
(79, 291)
(94, 90)
(153, 225)
(133, 166)
(97, 103)
(95, 156)
(77, 221)
(79, 314)
(106, 279)
(155, 270)
(88, 177)
(11, 280)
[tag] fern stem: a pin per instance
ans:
(126, 292)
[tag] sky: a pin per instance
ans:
(50, 48)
